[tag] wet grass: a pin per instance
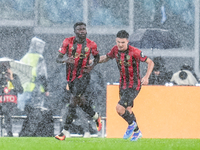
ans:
(50, 143)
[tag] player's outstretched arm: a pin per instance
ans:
(96, 60)
(92, 63)
(145, 79)
(103, 59)
(61, 59)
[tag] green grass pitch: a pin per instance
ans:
(50, 143)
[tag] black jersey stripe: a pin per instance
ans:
(82, 55)
(73, 54)
(131, 71)
(119, 67)
(126, 68)
(134, 63)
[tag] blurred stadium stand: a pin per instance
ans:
(154, 38)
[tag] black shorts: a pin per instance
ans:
(78, 86)
(127, 96)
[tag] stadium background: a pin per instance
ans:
(52, 21)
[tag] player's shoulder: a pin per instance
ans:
(115, 48)
(134, 50)
(91, 43)
(69, 39)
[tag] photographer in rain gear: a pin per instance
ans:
(186, 76)
(10, 86)
(38, 85)
(159, 75)
(35, 92)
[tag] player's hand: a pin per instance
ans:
(87, 69)
(145, 80)
(69, 60)
(91, 61)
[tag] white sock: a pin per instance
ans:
(96, 116)
(65, 132)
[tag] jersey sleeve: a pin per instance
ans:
(111, 54)
(63, 48)
(142, 57)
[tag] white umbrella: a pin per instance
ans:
(23, 70)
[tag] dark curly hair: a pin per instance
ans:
(79, 24)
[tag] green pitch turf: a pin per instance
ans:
(43, 143)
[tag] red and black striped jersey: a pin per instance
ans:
(128, 63)
(81, 52)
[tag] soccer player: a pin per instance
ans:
(78, 49)
(128, 61)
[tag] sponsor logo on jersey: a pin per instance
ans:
(127, 57)
(86, 49)
(81, 56)
(124, 63)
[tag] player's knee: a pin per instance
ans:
(69, 119)
(129, 109)
(120, 109)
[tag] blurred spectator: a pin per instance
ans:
(186, 76)
(35, 92)
(160, 75)
(10, 86)
(191, 69)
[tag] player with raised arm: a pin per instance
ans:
(77, 50)
(128, 60)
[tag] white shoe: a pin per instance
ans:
(87, 135)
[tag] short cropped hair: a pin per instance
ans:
(122, 34)
(79, 24)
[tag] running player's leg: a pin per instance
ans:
(68, 121)
(124, 109)
(86, 107)
(70, 114)
(81, 85)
